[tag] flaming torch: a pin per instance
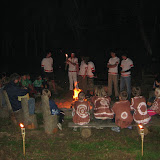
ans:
(23, 136)
(142, 135)
(66, 61)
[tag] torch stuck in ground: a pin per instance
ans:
(142, 135)
(23, 136)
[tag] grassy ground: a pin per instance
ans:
(69, 145)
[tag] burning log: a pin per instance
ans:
(50, 121)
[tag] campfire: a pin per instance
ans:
(76, 92)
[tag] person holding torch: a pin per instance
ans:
(73, 69)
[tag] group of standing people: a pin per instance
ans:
(113, 75)
(81, 77)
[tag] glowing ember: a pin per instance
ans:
(21, 125)
(76, 92)
(140, 126)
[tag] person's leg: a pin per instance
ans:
(109, 85)
(70, 81)
(54, 87)
(115, 82)
(128, 85)
(75, 80)
(85, 85)
(61, 117)
(31, 105)
(122, 84)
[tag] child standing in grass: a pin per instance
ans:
(138, 104)
(54, 108)
(123, 116)
(81, 115)
(101, 104)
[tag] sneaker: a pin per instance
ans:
(59, 126)
(75, 129)
(129, 127)
(115, 129)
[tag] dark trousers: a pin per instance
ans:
(61, 116)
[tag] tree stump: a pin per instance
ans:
(85, 132)
(30, 121)
(9, 107)
(50, 121)
(3, 110)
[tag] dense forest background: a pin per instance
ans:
(86, 27)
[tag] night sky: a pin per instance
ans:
(86, 27)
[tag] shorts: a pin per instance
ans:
(49, 75)
(91, 84)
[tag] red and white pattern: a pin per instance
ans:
(140, 116)
(122, 111)
(80, 113)
(101, 108)
(47, 64)
(156, 105)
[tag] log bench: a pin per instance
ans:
(50, 121)
(22, 115)
(85, 130)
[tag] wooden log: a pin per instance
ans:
(7, 102)
(50, 121)
(30, 121)
(85, 132)
(3, 110)
(45, 106)
(24, 103)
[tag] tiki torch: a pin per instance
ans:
(66, 61)
(23, 136)
(142, 135)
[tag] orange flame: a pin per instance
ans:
(140, 126)
(76, 92)
(66, 55)
(21, 125)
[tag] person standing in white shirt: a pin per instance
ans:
(113, 74)
(126, 66)
(47, 68)
(82, 78)
(73, 69)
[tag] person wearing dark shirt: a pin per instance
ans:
(14, 91)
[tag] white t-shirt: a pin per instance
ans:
(72, 68)
(90, 70)
(126, 65)
(47, 63)
(113, 61)
(83, 68)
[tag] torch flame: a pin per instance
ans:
(21, 125)
(66, 55)
(140, 126)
